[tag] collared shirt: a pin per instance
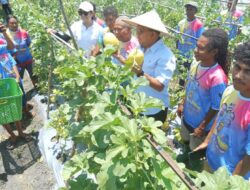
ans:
(159, 62)
(193, 28)
(86, 38)
(22, 41)
(230, 141)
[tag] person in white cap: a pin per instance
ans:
(85, 31)
(128, 42)
(191, 26)
(159, 61)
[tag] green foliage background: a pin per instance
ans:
(117, 154)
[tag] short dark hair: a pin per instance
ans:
(10, 17)
(94, 6)
(193, 7)
(218, 39)
(94, 10)
(110, 10)
(242, 53)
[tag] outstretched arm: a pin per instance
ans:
(60, 34)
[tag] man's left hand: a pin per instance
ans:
(199, 131)
(137, 69)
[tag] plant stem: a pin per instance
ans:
(67, 24)
(150, 181)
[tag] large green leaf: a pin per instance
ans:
(221, 180)
(153, 127)
(103, 120)
(115, 151)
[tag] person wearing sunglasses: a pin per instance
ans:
(85, 31)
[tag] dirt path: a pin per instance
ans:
(23, 167)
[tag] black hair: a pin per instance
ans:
(94, 10)
(218, 39)
(242, 53)
(110, 10)
(196, 9)
(10, 17)
(94, 6)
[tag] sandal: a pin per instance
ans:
(10, 145)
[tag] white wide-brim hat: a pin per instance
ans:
(150, 20)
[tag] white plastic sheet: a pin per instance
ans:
(49, 148)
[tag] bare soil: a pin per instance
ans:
(23, 167)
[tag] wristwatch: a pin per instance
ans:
(140, 74)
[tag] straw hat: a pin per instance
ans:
(150, 20)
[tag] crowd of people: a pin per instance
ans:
(214, 113)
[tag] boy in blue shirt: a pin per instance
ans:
(228, 143)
